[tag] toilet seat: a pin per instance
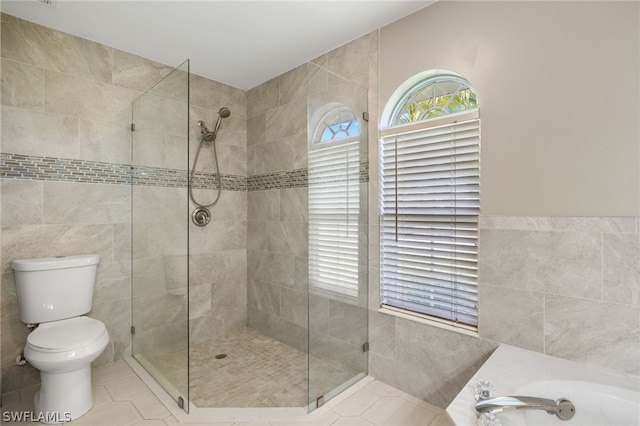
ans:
(66, 335)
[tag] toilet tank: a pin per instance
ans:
(54, 288)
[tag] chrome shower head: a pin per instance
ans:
(224, 112)
(210, 136)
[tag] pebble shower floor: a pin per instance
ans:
(257, 371)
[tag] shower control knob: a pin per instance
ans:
(201, 216)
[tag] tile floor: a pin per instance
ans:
(122, 398)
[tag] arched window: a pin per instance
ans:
(434, 97)
(334, 202)
(339, 123)
(429, 163)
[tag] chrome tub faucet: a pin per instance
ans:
(562, 408)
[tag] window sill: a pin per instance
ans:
(423, 319)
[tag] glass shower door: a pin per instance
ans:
(337, 234)
(160, 291)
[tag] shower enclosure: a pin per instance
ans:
(260, 307)
(160, 232)
(337, 165)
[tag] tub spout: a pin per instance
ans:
(562, 408)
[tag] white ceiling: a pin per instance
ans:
(240, 43)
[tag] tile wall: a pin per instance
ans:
(66, 157)
(277, 247)
(47, 117)
(72, 193)
(277, 208)
(564, 286)
(159, 234)
(218, 251)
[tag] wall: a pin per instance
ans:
(278, 295)
(218, 251)
(63, 114)
(66, 155)
(557, 84)
(277, 208)
(559, 264)
(76, 95)
(564, 286)
(159, 237)
(264, 213)
(565, 292)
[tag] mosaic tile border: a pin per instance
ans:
(30, 167)
(18, 166)
(278, 180)
(156, 176)
(298, 178)
(210, 181)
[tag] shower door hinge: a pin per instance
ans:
(365, 116)
(181, 402)
(365, 347)
(320, 402)
(133, 127)
(133, 330)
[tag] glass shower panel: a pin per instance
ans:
(337, 233)
(160, 232)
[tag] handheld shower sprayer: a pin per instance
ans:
(210, 136)
(207, 136)
(224, 112)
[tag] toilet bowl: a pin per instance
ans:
(63, 351)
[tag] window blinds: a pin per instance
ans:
(430, 202)
(334, 207)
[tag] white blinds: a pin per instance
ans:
(334, 207)
(430, 202)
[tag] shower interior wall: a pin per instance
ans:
(277, 214)
(248, 267)
(279, 303)
(216, 253)
(66, 157)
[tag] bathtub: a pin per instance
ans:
(600, 397)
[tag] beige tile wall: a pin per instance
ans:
(277, 247)
(277, 218)
(565, 286)
(217, 252)
(70, 98)
(570, 286)
(63, 97)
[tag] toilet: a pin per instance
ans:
(56, 292)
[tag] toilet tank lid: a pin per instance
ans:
(57, 262)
